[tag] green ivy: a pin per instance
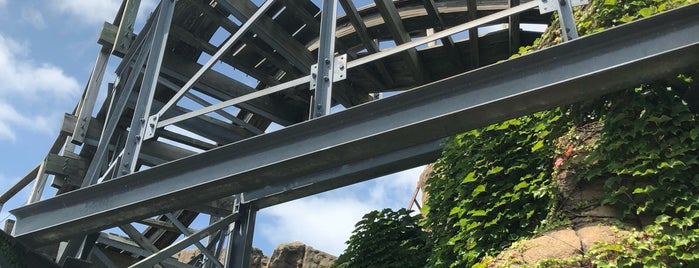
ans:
(648, 159)
(491, 186)
(386, 238)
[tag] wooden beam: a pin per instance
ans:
(223, 87)
(439, 24)
(72, 169)
(165, 225)
(369, 44)
(124, 35)
(271, 33)
(472, 6)
(255, 44)
(515, 33)
(394, 23)
(188, 38)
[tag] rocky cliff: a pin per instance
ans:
(289, 255)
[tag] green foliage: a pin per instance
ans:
(491, 186)
(648, 159)
(9, 254)
(386, 239)
(656, 246)
(609, 13)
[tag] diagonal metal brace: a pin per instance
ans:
(565, 15)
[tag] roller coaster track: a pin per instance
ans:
(177, 139)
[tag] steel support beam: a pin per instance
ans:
(347, 174)
(322, 99)
(577, 70)
(156, 48)
(240, 242)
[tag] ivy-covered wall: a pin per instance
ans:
(496, 185)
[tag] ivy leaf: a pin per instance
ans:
(521, 185)
(471, 177)
(537, 146)
(645, 12)
(477, 213)
(479, 189)
(609, 2)
(658, 120)
(494, 170)
(694, 133)
(456, 210)
(644, 173)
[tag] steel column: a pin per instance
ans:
(120, 98)
(565, 16)
(240, 242)
(323, 81)
(134, 139)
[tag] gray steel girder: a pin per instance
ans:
(581, 69)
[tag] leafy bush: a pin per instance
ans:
(385, 239)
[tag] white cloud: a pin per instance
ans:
(327, 220)
(22, 76)
(324, 223)
(9, 117)
(91, 12)
(34, 17)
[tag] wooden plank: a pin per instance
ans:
(440, 24)
(271, 33)
(369, 44)
(124, 35)
(223, 87)
(187, 37)
(395, 26)
(515, 32)
(472, 6)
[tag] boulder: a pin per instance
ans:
(299, 255)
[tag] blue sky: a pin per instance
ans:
(47, 49)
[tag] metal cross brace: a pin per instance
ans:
(565, 15)
(152, 120)
(202, 248)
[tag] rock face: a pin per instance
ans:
(298, 255)
(290, 255)
(422, 182)
(559, 244)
